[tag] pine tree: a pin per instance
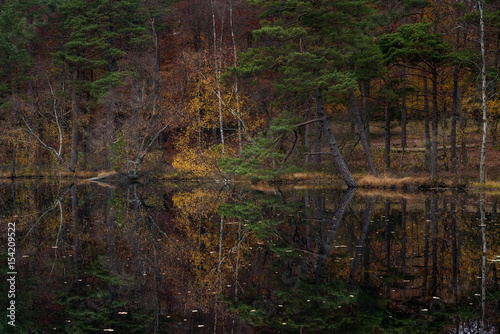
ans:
(15, 33)
(424, 50)
(311, 46)
(95, 36)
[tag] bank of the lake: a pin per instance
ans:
(418, 182)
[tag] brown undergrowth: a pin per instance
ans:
(384, 182)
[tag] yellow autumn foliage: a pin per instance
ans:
(199, 164)
(198, 201)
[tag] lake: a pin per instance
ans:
(212, 258)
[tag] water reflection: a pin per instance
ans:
(183, 258)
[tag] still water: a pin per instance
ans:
(193, 258)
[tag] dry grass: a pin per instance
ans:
(408, 183)
(487, 185)
(490, 187)
(310, 177)
(264, 187)
(51, 174)
(388, 182)
(392, 194)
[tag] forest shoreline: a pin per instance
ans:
(416, 183)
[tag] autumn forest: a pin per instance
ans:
(249, 166)
(255, 90)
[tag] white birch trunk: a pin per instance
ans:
(236, 92)
(217, 75)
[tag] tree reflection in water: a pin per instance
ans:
(204, 258)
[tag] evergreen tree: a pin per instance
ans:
(15, 34)
(311, 45)
(424, 50)
(96, 35)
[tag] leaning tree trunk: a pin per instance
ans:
(337, 156)
(334, 225)
(362, 135)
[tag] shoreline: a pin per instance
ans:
(415, 183)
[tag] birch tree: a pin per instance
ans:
(57, 149)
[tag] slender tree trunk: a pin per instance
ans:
(403, 110)
(217, 76)
(454, 248)
(462, 120)
(427, 128)
(387, 150)
(74, 124)
(112, 68)
(361, 241)
(14, 196)
(444, 126)
(493, 89)
(365, 113)
(455, 110)
(309, 229)
(318, 127)
(156, 73)
(434, 207)
(236, 92)
(454, 113)
(364, 141)
(482, 165)
(337, 156)
(426, 244)
(403, 235)
(307, 136)
(388, 234)
(13, 169)
(434, 125)
(237, 265)
(483, 258)
(76, 226)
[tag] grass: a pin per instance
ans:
(312, 176)
(389, 182)
(408, 183)
(490, 187)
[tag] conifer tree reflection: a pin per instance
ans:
(324, 251)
